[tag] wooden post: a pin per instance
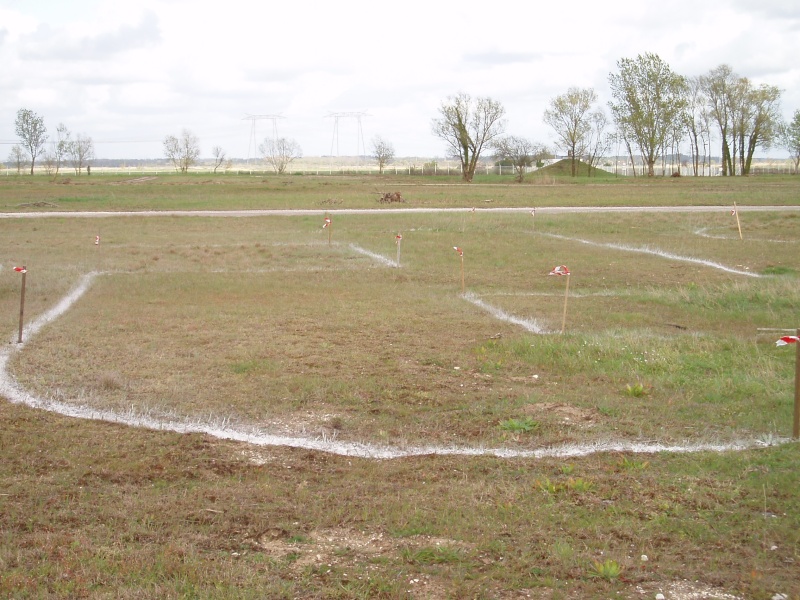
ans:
(796, 424)
(398, 238)
(738, 224)
(533, 214)
(462, 273)
(22, 304)
(564, 318)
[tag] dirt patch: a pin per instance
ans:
(565, 413)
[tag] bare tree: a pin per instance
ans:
(570, 117)
(468, 126)
(760, 126)
(599, 140)
(48, 161)
(280, 152)
(183, 151)
(80, 151)
(382, 152)
(790, 139)
(649, 99)
(219, 156)
(18, 157)
(717, 86)
(60, 145)
(32, 133)
(697, 123)
(520, 152)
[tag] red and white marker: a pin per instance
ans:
(20, 269)
(788, 339)
(97, 240)
(559, 270)
(327, 223)
(459, 250)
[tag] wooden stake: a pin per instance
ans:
(533, 214)
(398, 238)
(738, 224)
(564, 318)
(796, 423)
(462, 273)
(22, 304)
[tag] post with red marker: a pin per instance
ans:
(397, 239)
(785, 341)
(563, 270)
(330, 228)
(735, 213)
(24, 271)
(461, 254)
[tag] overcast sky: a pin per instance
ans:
(129, 74)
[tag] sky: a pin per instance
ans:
(130, 74)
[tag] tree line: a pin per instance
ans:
(655, 113)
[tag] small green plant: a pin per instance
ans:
(632, 464)
(608, 570)
(567, 469)
(637, 390)
(524, 425)
(548, 486)
(579, 485)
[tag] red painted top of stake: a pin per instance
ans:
(397, 238)
(459, 250)
(560, 270)
(21, 269)
(327, 222)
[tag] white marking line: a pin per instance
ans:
(527, 324)
(251, 435)
(387, 262)
(655, 252)
(702, 232)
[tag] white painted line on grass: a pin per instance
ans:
(528, 324)
(387, 262)
(223, 430)
(655, 252)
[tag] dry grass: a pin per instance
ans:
(259, 320)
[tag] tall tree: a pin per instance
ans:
(570, 115)
(31, 132)
(520, 152)
(183, 151)
(760, 125)
(790, 139)
(718, 86)
(382, 152)
(467, 126)
(280, 152)
(648, 100)
(697, 123)
(60, 146)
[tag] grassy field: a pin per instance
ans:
(262, 324)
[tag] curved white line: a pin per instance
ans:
(16, 394)
(656, 252)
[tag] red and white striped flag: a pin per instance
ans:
(327, 222)
(733, 212)
(397, 238)
(20, 269)
(787, 339)
(560, 270)
(97, 240)
(459, 250)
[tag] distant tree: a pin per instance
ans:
(31, 132)
(279, 153)
(80, 151)
(18, 157)
(648, 100)
(790, 139)
(60, 145)
(183, 151)
(520, 152)
(219, 156)
(467, 126)
(382, 152)
(48, 161)
(570, 115)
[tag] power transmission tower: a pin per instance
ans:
(253, 143)
(361, 149)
